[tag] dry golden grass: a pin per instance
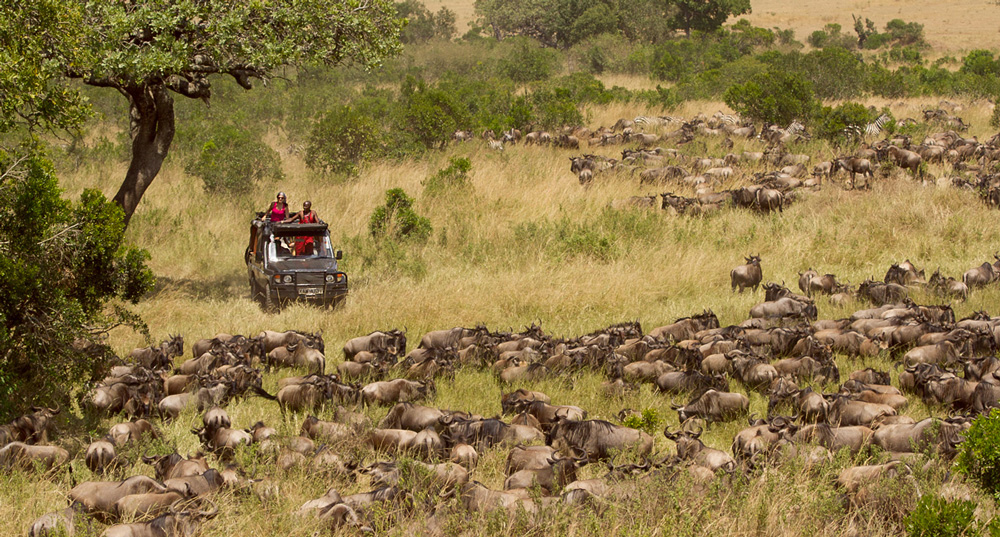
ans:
(526, 244)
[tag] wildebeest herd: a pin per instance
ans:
(775, 173)
(783, 352)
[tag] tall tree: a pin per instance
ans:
(705, 15)
(151, 50)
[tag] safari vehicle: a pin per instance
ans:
(287, 262)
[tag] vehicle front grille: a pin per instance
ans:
(310, 278)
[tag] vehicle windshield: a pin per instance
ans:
(301, 247)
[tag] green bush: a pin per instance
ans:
(980, 62)
(430, 114)
(453, 177)
(61, 264)
(232, 161)
(938, 517)
(979, 455)
(649, 421)
(830, 36)
(341, 141)
(831, 123)
(396, 219)
(772, 96)
(527, 61)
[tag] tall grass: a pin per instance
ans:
(526, 244)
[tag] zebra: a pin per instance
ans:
(875, 127)
(796, 127)
(729, 119)
(654, 121)
(495, 145)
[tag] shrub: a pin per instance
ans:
(648, 421)
(454, 177)
(341, 141)
(396, 219)
(832, 123)
(772, 96)
(232, 161)
(938, 517)
(61, 264)
(979, 455)
(980, 62)
(527, 61)
(430, 114)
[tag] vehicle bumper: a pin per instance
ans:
(309, 293)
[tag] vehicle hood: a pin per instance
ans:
(313, 264)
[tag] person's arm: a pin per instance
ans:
(318, 219)
(292, 218)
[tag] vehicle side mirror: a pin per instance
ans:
(339, 254)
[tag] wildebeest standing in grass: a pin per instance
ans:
(748, 275)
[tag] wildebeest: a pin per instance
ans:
(301, 354)
(174, 465)
(714, 405)
(854, 166)
(905, 159)
(982, 275)
(396, 391)
(100, 455)
(599, 439)
(748, 275)
(686, 327)
(835, 438)
(28, 457)
(272, 340)
(392, 342)
(784, 307)
(176, 523)
(33, 427)
(691, 448)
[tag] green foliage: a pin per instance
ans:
(772, 96)
(341, 141)
(705, 16)
(429, 114)
(830, 36)
(980, 62)
(556, 108)
(937, 517)
(979, 455)
(831, 123)
(454, 177)
(995, 117)
(36, 40)
(397, 219)
(528, 62)
(233, 160)
(61, 264)
(648, 420)
(865, 28)
(422, 25)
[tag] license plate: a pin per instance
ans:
(311, 291)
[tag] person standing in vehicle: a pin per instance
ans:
(278, 212)
(305, 245)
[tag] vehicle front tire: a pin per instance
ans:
(270, 303)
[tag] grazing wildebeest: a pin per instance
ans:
(597, 438)
(748, 275)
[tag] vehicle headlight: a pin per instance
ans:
(330, 278)
(287, 278)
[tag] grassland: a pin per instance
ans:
(526, 244)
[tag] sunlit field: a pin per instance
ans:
(524, 244)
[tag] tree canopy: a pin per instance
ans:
(150, 51)
(563, 23)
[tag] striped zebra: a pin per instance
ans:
(852, 132)
(495, 145)
(796, 127)
(729, 119)
(654, 121)
(875, 127)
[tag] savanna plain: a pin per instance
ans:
(522, 244)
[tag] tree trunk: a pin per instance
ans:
(152, 127)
